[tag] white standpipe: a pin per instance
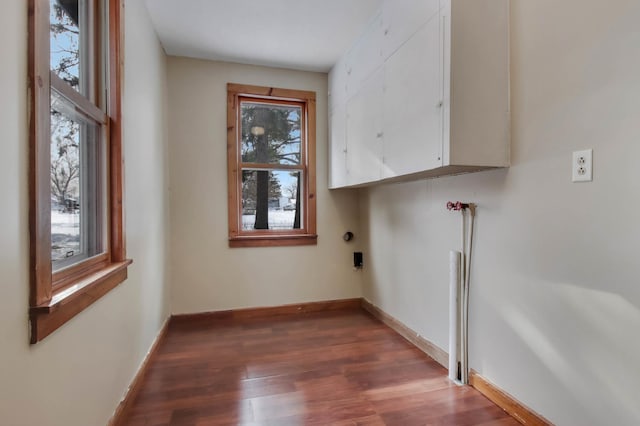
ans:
(465, 298)
(464, 302)
(455, 261)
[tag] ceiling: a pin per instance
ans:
(298, 34)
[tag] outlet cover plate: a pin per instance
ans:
(582, 166)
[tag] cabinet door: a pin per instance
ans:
(365, 57)
(338, 147)
(338, 84)
(413, 99)
(364, 131)
(401, 19)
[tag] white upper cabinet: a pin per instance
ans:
(413, 104)
(364, 57)
(424, 92)
(364, 131)
(338, 126)
(338, 147)
(401, 19)
(338, 87)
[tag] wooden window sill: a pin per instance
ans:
(274, 240)
(67, 303)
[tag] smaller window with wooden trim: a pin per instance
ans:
(271, 166)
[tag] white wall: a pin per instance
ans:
(206, 274)
(555, 294)
(77, 375)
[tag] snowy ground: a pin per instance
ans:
(278, 219)
(65, 234)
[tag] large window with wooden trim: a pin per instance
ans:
(76, 230)
(271, 166)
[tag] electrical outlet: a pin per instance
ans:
(582, 166)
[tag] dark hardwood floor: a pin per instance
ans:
(329, 368)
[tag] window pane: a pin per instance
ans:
(271, 133)
(271, 199)
(77, 185)
(69, 35)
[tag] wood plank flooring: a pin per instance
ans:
(327, 368)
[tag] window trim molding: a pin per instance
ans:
(308, 235)
(55, 298)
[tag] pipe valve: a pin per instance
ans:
(457, 206)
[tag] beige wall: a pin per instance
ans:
(206, 274)
(77, 375)
(555, 294)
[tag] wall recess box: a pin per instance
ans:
(357, 259)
